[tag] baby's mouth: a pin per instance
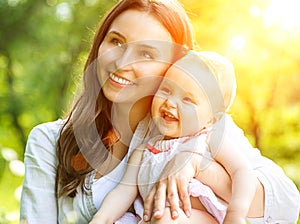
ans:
(166, 115)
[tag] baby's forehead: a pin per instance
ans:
(189, 71)
(184, 81)
(192, 67)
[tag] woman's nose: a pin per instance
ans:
(125, 59)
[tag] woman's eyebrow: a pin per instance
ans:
(116, 33)
(142, 44)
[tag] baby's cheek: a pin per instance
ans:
(190, 123)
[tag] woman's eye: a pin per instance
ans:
(146, 54)
(116, 42)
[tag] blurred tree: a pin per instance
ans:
(42, 50)
(13, 29)
(262, 47)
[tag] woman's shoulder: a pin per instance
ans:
(48, 128)
(45, 135)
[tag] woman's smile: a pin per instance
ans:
(119, 81)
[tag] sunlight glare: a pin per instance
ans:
(64, 12)
(238, 43)
(17, 167)
(9, 154)
(255, 11)
(18, 193)
(284, 13)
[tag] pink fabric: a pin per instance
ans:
(215, 206)
(130, 218)
(127, 218)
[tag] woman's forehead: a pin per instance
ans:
(135, 25)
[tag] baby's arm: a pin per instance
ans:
(243, 179)
(117, 202)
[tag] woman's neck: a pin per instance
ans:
(125, 117)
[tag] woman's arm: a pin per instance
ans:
(173, 184)
(243, 180)
(179, 171)
(38, 201)
(117, 202)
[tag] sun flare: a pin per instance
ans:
(284, 13)
(238, 43)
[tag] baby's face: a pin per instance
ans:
(180, 107)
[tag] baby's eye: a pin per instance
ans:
(188, 100)
(165, 90)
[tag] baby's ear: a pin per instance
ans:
(210, 122)
(218, 116)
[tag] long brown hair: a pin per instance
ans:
(92, 110)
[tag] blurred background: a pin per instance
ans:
(44, 44)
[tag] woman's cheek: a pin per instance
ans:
(153, 69)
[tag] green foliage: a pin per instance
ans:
(267, 105)
(11, 178)
(43, 46)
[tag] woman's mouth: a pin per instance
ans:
(119, 80)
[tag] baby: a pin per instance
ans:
(189, 111)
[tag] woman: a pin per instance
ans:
(72, 164)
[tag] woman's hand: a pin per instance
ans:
(173, 184)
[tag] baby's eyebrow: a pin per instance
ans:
(192, 96)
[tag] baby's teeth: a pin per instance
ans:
(170, 115)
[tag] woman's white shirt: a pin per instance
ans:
(38, 201)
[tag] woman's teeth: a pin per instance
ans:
(120, 80)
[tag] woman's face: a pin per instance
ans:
(136, 50)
